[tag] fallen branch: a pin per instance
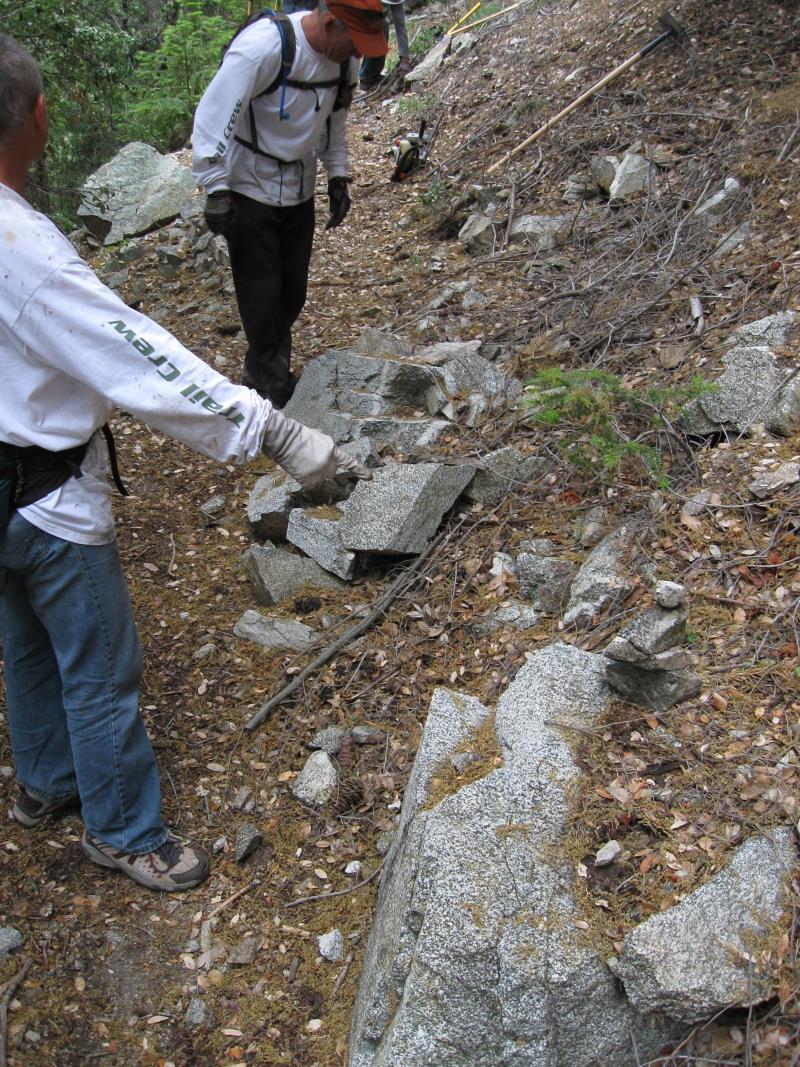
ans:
(337, 892)
(239, 893)
(337, 985)
(7, 992)
(399, 586)
(511, 205)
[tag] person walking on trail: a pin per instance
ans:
(369, 74)
(70, 351)
(277, 104)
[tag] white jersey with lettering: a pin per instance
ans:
(286, 174)
(71, 351)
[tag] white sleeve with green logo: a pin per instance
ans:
(76, 328)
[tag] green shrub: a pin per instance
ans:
(170, 81)
(425, 39)
(602, 424)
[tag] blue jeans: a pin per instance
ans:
(72, 668)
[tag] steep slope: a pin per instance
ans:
(624, 288)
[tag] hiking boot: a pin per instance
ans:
(279, 398)
(172, 867)
(30, 812)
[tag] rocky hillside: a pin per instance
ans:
(620, 265)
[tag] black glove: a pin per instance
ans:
(339, 201)
(219, 212)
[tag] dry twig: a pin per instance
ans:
(7, 992)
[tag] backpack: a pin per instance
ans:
(286, 33)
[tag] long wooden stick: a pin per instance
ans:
(239, 893)
(394, 590)
(479, 22)
(566, 111)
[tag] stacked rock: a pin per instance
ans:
(647, 661)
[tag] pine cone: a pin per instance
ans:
(349, 796)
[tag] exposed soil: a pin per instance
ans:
(113, 967)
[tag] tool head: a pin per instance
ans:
(671, 25)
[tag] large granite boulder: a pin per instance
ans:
(399, 511)
(277, 574)
(754, 387)
(475, 959)
(697, 959)
(398, 396)
(136, 191)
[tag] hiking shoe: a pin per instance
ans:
(171, 867)
(30, 812)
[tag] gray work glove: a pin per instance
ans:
(339, 200)
(307, 455)
(219, 212)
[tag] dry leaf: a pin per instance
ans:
(647, 863)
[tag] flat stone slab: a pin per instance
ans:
(399, 511)
(656, 689)
(277, 574)
(694, 960)
(274, 633)
(655, 630)
(318, 532)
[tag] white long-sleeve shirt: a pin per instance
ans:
(251, 65)
(71, 351)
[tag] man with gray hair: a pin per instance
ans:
(20, 86)
(70, 352)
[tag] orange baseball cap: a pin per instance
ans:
(364, 20)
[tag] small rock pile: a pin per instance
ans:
(647, 663)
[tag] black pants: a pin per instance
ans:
(270, 249)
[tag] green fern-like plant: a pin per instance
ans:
(601, 423)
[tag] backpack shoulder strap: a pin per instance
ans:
(283, 25)
(285, 29)
(344, 92)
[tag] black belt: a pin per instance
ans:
(39, 471)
